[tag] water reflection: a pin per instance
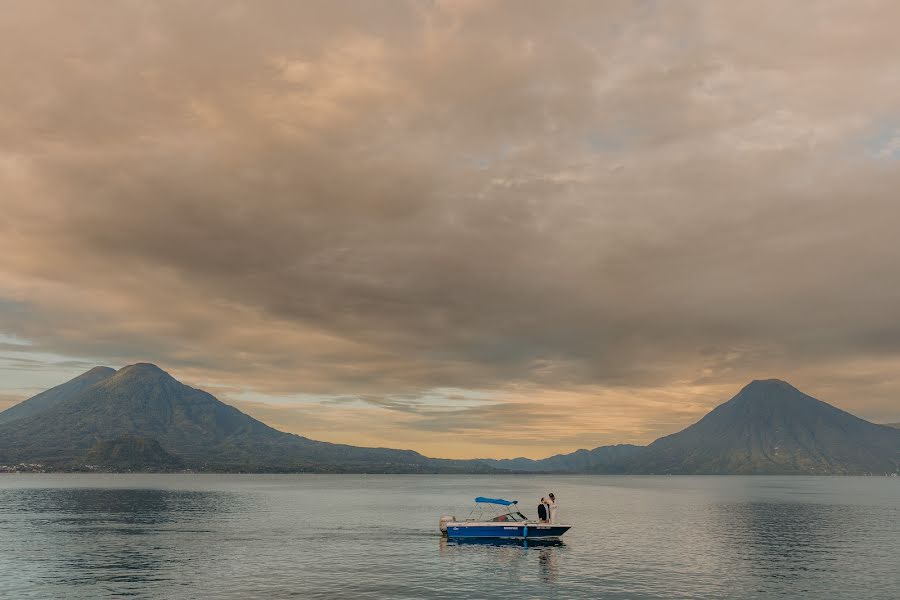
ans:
(376, 537)
(777, 540)
(516, 556)
(86, 537)
(445, 542)
(547, 562)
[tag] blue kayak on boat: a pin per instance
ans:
(501, 519)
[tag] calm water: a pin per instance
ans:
(322, 536)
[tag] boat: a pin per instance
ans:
(499, 519)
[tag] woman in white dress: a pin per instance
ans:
(552, 508)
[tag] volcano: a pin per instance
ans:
(97, 417)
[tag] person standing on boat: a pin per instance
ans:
(552, 508)
(542, 511)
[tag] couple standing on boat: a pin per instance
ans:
(547, 510)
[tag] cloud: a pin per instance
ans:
(595, 199)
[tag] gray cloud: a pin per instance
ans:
(335, 198)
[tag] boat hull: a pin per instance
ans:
(505, 530)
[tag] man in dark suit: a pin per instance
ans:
(542, 511)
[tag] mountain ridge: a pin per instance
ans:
(48, 398)
(609, 457)
(771, 427)
(140, 417)
(206, 434)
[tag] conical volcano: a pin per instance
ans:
(771, 427)
(137, 400)
(193, 427)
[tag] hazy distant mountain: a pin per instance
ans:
(54, 395)
(189, 424)
(604, 459)
(771, 427)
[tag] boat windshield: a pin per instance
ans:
(490, 512)
(510, 517)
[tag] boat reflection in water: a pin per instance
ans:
(502, 542)
(516, 556)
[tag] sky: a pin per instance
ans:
(467, 228)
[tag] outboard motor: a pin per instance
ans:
(442, 524)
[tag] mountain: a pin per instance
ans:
(55, 395)
(770, 427)
(79, 421)
(894, 425)
(141, 418)
(604, 459)
(131, 453)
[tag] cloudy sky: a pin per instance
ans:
(469, 228)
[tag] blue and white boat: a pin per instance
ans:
(500, 519)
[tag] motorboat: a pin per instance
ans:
(501, 519)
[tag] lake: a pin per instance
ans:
(376, 536)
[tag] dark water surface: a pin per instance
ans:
(346, 536)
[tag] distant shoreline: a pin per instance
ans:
(503, 474)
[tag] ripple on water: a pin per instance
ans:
(375, 537)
